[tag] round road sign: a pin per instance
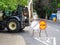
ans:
(42, 25)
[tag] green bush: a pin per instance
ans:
(11, 4)
(58, 5)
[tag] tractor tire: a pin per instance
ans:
(13, 25)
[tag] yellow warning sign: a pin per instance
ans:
(54, 19)
(42, 25)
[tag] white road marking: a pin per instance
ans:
(54, 41)
(48, 39)
(41, 41)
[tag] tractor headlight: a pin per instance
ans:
(25, 17)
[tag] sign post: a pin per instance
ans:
(42, 26)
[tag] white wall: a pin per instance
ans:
(58, 15)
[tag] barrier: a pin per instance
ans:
(38, 26)
(53, 17)
(42, 26)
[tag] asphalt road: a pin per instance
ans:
(53, 30)
(21, 38)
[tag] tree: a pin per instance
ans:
(11, 4)
(40, 7)
(22, 2)
(53, 5)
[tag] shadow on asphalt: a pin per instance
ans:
(21, 31)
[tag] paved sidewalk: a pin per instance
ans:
(58, 21)
(11, 39)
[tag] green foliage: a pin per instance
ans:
(50, 7)
(58, 5)
(22, 2)
(54, 6)
(11, 4)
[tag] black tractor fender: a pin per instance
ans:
(14, 17)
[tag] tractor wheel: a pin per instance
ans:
(13, 25)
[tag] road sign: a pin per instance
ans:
(54, 19)
(42, 25)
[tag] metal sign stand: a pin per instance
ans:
(33, 26)
(41, 32)
(33, 33)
